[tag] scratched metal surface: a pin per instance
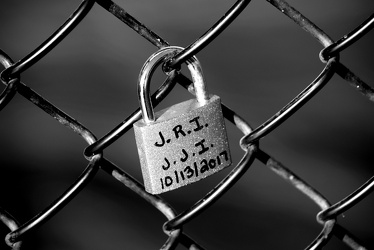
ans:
(256, 66)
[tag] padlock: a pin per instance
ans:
(184, 143)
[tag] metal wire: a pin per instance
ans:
(209, 36)
(249, 143)
(348, 202)
(11, 86)
(78, 185)
(11, 223)
(347, 40)
(50, 43)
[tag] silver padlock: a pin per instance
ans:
(185, 142)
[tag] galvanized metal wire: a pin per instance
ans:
(249, 142)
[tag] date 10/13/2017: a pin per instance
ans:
(193, 171)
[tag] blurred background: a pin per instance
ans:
(256, 66)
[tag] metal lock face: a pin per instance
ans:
(185, 143)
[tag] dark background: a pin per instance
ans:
(256, 66)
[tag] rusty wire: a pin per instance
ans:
(249, 143)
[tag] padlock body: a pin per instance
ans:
(186, 143)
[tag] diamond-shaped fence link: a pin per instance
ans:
(21, 227)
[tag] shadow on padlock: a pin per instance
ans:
(184, 143)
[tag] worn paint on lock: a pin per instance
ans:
(186, 143)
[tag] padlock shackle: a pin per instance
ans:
(150, 66)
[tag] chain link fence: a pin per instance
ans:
(256, 55)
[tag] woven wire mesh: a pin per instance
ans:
(257, 65)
